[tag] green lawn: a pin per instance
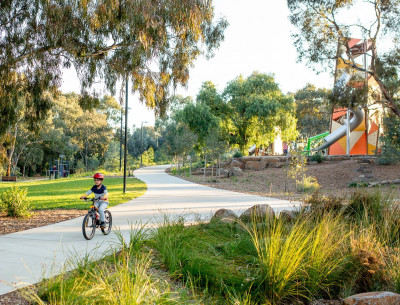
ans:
(65, 193)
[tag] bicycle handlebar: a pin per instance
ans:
(91, 199)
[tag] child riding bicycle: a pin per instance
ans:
(100, 193)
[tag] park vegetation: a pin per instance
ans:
(332, 249)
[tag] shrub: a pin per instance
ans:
(308, 184)
(369, 259)
(391, 144)
(15, 202)
(317, 157)
(237, 154)
(320, 204)
(364, 205)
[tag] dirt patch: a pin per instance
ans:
(39, 218)
(13, 298)
(333, 177)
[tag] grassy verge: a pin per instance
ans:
(130, 275)
(332, 249)
(64, 193)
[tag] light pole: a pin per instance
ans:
(141, 143)
(120, 143)
(126, 133)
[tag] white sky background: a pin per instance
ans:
(257, 39)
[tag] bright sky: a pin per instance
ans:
(257, 39)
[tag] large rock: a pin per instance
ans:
(373, 298)
(273, 160)
(225, 164)
(287, 215)
(236, 163)
(224, 215)
(223, 172)
(255, 165)
(276, 164)
(234, 172)
(249, 158)
(257, 212)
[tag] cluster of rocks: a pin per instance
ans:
(365, 172)
(235, 166)
(258, 213)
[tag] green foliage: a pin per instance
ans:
(316, 157)
(328, 252)
(308, 184)
(199, 120)
(148, 157)
(390, 141)
(312, 111)
(299, 262)
(15, 202)
(106, 41)
(209, 259)
(237, 154)
(251, 110)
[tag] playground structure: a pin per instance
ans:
(354, 131)
(58, 168)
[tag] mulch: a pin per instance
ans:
(333, 177)
(39, 218)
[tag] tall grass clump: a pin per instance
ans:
(302, 261)
(125, 281)
(169, 239)
(217, 257)
(376, 209)
(122, 277)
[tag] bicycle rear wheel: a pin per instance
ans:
(88, 226)
(108, 223)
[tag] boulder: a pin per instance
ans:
(273, 160)
(257, 212)
(224, 215)
(236, 163)
(373, 298)
(287, 215)
(236, 171)
(225, 164)
(276, 164)
(255, 165)
(249, 158)
(223, 172)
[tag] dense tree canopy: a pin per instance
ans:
(320, 25)
(312, 110)
(152, 42)
(252, 110)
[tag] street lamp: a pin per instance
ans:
(141, 143)
(126, 133)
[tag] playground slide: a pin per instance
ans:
(358, 118)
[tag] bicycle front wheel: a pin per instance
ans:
(88, 226)
(108, 223)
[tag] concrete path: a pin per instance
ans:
(26, 257)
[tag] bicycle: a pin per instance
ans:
(91, 221)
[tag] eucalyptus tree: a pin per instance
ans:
(151, 42)
(321, 25)
(251, 110)
(199, 119)
(313, 110)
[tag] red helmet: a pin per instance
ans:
(98, 176)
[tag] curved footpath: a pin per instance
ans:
(27, 256)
